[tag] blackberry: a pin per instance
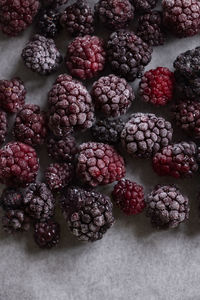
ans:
(99, 164)
(129, 196)
(12, 95)
(157, 86)
(15, 221)
(115, 14)
(47, 234)
(70, 106)
(39, 202)
(112, 95)
(41, 55)
(16, 16)
(176, 160)
(63, 148)
(48, 22)
(59, 175)
(127, 54)
(150, 28)
(3, 126)
(11, 199)
(142, 6)
(85, 57)
(167, 207)
(30, 125)
(88, 213)
(145, 134)
(107, 131)
(18, 164)
(78, 19)
(187, 88)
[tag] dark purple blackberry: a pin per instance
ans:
(70, 106)
(39, 202)
(48, 22)
(127, 54)
(88, 213)
(47, 234)
(107, 131)
(30, 125)
(150, 28)
(11, 199)
(187, 88)
(145, 134)
(143, 6)
(115, 14)
(63, 148)
(167, 207)
(59, 175)
(15, 221)
(3, 126)
(78, 19)
(41, 55)
(112, 95)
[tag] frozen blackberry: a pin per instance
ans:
(11, 199)
(167, 207)
(157, 86)
(18, 164)
(48, 22)
(3, 126)
(187, 88)
(99, 164)
(47, 234)
(59, 175)
(187, 117)
(142, 6)
(41, 55)
(78, 19)
(145, 134)
(15, 221)
(85, 57)
(176, 160)
(150, 28)
(16, 16)
(129, 196)
(30, 125)
(12, 95)
(182, 17)
(112, 95)
(88, 213)
(107, 131)
(115, 14)
(70, 106)
(63, 148)
(127, 54)
(39, 202)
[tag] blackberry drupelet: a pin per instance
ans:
(15, 221)
(11, 199)
(3, 126)
(49, 22)
(143, 6)
(47, 234)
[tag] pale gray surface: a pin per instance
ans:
(133, 261)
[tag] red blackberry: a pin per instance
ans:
(49, 22)
(78, 19)
(99, 164)
(41, 55)
(39, 202)
(12, 95)
(142, 6)
(11, 199)
(129, 196)
(70, 106)
(30, 125)
(150, 28)
(177, 160)
(3, 126)
(15, 221)
(127, 54)
(85, 57)
(145, 134)
(167, 207)
(47, 234)
(18, 164)
(59, 175)
(182, 17)
(88, 213)
(16, 16)
(112, 95)
(157, 86)
(115, 14)
(63, 148)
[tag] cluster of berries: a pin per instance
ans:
(77, 169)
